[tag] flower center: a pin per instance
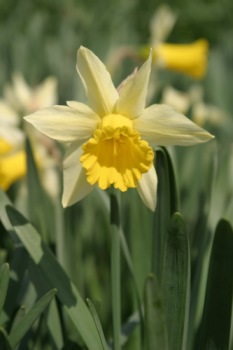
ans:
(116, 154)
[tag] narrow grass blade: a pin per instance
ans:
(216, 319)
(176, 282)
(155, 323)
(4, 281)
(25, 324)
(53, 273)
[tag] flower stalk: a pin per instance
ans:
(115, 267)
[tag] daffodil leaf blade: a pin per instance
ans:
(20, 314)
(175, 282)
(97, 323)
(71, 345)
(4, 281)
(216, 318)
(25, 324)
(53, 319)
(155, 323)
(53, 274)
(196, 196)
(129, 327)
(167, 204)
(4, 340)
(40, 215)
(174, 199)
(18, 268)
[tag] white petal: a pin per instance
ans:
(162, 125)
(147, 188)
(76, 186)
(97, 82)
(132, 98)
(65, 124)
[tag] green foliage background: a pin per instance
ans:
(40, 38)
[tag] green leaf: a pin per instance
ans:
(71, 345)
(53, 317)
(53, 273)
(97, 323)
(4, 281)
(174, 199)
(216, 319)
(20, 314)
(18, 268)
(129, 327)
(39, 204)
(176, 282)
(128, 259)
(167, 204)
(25, 324)
(155, 324)
(4, 341)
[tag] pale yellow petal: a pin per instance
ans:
(162, 125)
(65, 124)
(147, 188)
(76, 186)
(132, 97)
(81, 107)
(19, 93)
(45, 94)
(13, 136)
(8, 115)
(162, 23)
(97, 82)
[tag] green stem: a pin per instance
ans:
(115, 269)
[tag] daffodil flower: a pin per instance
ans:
(190, 58)
(110, 141)
(21, 99)
(12, 167)
(9, 127)
(25, 99)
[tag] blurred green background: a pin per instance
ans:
(40, 38)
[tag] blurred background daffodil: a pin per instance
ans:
(20, 99)
(188, 58)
